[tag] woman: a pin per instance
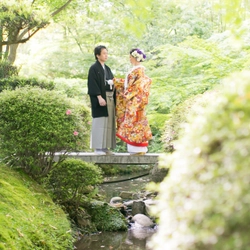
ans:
(101, 92)
(131, 100)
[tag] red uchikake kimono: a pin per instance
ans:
(132, 124)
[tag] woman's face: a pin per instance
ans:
(132, 60)
(103, 56)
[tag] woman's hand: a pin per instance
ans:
(123, 95)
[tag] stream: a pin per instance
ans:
(132, 239)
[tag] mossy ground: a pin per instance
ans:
(28, 217)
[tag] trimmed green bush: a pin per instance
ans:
(14, 82)
(73, 179)
(204, 201)
(7, 69)
(35, 123)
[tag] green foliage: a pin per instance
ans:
(173, 22)
(29, 219)
(35, 123)
(7, 70)
(73, 179)
(16, 18)
(190, 68)
(21, 20)
(211, 161)
(174, 127)
(233, 20)
(111, 169)
(74, 88)
(156, 122)
(106, 218)
(12, 83)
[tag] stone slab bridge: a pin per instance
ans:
(117, 158)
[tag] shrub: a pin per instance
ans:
(204, 201)
(174, 126)
(72, 179)
(156, 122)
(14, 82)
(75, 88)
(7, 70)
(35, 123)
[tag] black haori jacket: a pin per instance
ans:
(97, 86)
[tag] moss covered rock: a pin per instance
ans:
(105, 217)
(204, 201)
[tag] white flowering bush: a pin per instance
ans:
(204, 201)
(35, 123)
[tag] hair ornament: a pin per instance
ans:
(139, 55)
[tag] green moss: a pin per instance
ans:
(106, 218)
(29, 219)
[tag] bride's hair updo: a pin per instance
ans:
(138, 54)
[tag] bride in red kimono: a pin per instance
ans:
(131, 100)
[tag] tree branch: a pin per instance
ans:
(19, 37)
(22, 40)
(61, 8)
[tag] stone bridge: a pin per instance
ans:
(117, 158)
(157, 175)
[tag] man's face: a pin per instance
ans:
(103, 56)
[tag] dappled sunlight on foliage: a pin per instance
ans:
(190, 68)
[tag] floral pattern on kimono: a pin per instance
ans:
(131, 101)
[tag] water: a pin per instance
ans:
(134, 185)
(115, 241)
(134, 238)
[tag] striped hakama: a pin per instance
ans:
(103, 128)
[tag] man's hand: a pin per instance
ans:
(110, 83)
(102, 102)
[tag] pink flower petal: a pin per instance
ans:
(68, 112)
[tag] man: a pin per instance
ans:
(102, 98)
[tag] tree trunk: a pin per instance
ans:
(12, 49)
(12, 53)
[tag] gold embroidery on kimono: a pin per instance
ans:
(131, 101)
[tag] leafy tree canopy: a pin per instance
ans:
(20, 20)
